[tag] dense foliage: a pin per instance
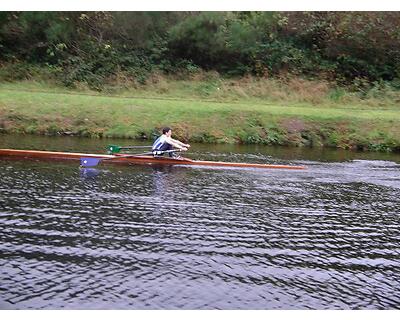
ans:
(95, 47)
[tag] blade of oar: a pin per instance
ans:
(115, 149)
(90, 162)
(94, 161)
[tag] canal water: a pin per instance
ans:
(176, 237)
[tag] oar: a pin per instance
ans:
(92, 161)
(115, 149)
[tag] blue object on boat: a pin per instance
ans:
(90, 162)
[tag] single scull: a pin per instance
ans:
(137, 159)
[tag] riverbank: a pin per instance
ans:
(205, 114)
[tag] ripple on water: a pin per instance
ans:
(180, 238)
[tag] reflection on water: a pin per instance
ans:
(147, 237)
(197, 151)
(89, 173)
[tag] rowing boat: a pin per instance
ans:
(139, 159)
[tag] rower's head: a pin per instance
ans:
(167, 131)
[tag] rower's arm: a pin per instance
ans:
(175, 143)
(179, 143)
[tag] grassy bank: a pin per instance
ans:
(208, 110)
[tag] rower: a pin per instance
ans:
(165, 142)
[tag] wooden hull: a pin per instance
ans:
(137, 159)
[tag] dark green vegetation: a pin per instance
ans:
(97, 48)
(283, 78)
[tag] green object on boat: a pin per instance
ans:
(111, 149)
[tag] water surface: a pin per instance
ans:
(175, 237)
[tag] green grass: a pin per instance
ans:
(36, 108)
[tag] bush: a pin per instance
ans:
(21, 71)
(358, 49)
